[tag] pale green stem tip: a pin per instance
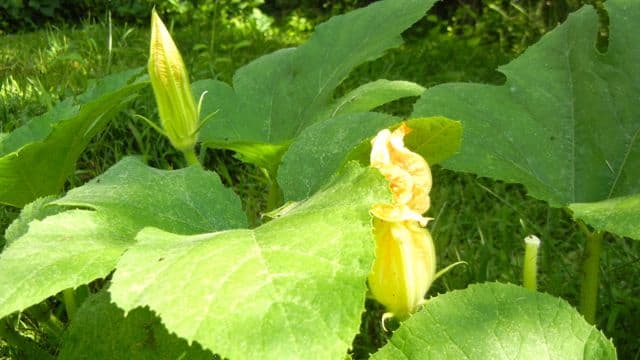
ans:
(530, 272)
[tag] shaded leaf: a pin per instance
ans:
(619, 215)
(291, 288)
(138, 335)
(566, 123)
(323, 147)
(278, 95)
(497, 321)
(185, 201)
(36, 159)
(371, 95)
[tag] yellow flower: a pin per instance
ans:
(170, 82)
(404, 268)
(405, 263)
(408, 173)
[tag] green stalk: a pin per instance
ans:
(274, 198)
(53, 326)
(69, 303)
(590, 274)
(530, 269)
(191, 157)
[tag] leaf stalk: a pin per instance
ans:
(530, 268)
(69, 297)
(590, 274)
(191, 157)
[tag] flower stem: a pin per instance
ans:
(274, 198)
(69, 297)
(191, 157)
(590, 275)
(530, 272)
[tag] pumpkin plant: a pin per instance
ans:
(176, 272)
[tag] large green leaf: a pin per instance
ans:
(497, 321)
(323, 147)
(567, 121)
(78, 246)
(36, 159)
(101, 331)
(278, 95)
(292, 288)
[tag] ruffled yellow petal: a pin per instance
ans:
(408, 173)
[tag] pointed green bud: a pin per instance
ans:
(171, 87)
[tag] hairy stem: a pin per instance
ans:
(191, 157)
(590, 275)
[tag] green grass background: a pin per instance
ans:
(477, 220)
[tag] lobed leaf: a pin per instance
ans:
(497, 321)
(278, 95)
(77, 246)
(36, 159)
(566, 123)
(292, 288)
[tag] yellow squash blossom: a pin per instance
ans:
(405, 263)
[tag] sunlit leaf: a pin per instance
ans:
(292, 288)
(497, 321)
(77, 246)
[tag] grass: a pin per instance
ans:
(478, 220)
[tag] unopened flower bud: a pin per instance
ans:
(170, 82)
